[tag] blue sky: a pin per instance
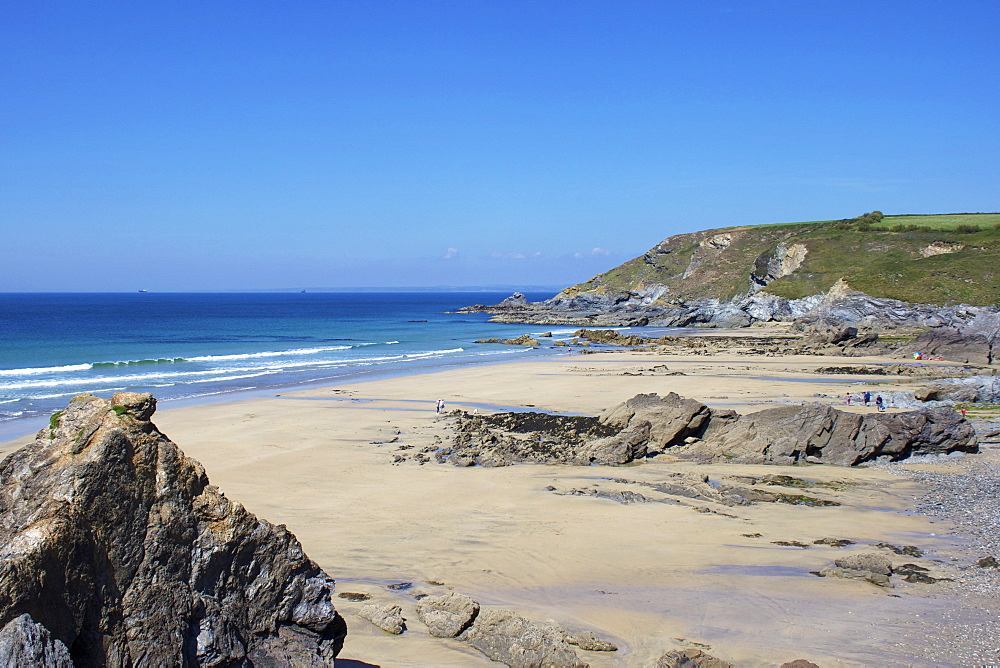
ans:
(229, 145)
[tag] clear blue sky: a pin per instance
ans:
(226, 145)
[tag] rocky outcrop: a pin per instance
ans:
(670, 419)
(821, 434)
(505, 636)
(649, 424)
(974, 342)
(838, 308)
(523, 340)
(116, 547)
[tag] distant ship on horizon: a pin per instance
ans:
(143, 290)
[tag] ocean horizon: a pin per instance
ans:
(203, 346)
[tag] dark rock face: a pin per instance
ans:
(975, 342)
(115, 544)
(650, 424)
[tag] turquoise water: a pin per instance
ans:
(189, 346)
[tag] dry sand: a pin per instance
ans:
(650, 577)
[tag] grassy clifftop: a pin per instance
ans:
(941, 259)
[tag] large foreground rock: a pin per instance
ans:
(116, 547)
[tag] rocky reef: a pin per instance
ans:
(118, 552)
(648, 424)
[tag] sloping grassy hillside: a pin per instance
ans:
(943, 259)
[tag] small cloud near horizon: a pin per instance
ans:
(450, 254)
(507, 256)
(600, 251)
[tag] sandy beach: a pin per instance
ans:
(336, 466)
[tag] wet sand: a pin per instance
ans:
(650, 577)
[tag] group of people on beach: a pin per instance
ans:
(866, 398)
(439, 407)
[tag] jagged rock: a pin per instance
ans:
(23, 644)
(505, 636)
(799, 663)
(516, 299)
(671, 418)
(586, 640)
(117, 545)
(788, 434)
(448, 615)
(388, 617)
(690, 658)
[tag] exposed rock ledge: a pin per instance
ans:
(116, 551)
(839, 307)
(648, 424)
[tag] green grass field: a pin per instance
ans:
(944, 221)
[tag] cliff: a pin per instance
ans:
(117, 552)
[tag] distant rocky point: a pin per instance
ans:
(118, 552)
(872, 272)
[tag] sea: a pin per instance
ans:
(191, 348)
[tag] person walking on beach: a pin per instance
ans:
(437, 407)
(847, 399)
(879, 404)
(867, 397)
